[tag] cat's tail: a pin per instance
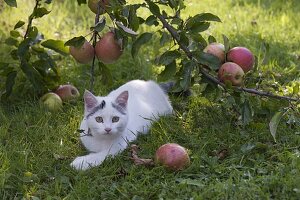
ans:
(168, 86)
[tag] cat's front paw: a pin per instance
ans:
(82, 163)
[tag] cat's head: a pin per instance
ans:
(106, 115)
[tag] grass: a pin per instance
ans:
(37, 146)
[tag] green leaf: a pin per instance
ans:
(197, 37)
(40, 12)
(19, 24)
(133, 20)
(168, 57)
(76, 41)
(24, 47)
(33, 76)
(12, 41)
(165, 37)
(105, 73)
(15, 34)
(153, 8)
(142, 39)
(10, 82)
(168, 73)
(246, 112)
(81, 2)
(126, 29)
(209, 60)
(100, 25)
(226, 43)
(11, 3)
(14, 54)
(56, 45)
(211, 39)
(187, 75)
(33, 32)
(151, 20)
(203, 17)
(199, 27)
(274, 123)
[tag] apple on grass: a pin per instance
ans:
(216, 49)
(172, 156)
(232, 72)
(83, 54)
(67, 92)
(107, 49)
(51, 101)
(93, 5)
(241, 56)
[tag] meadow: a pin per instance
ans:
(37, 146)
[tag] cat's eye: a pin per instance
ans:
(115, 119)
(99, 119)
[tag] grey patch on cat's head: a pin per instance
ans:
(95, 109)
(119, 108)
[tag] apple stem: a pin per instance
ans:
(205, 73)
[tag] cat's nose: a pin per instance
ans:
(107, 130)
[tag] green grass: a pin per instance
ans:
(36, 147)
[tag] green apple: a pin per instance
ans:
(51, 101)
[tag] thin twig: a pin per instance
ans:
(95, 33)
(205, 73)
(30, 19)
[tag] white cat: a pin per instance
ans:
(112, 121)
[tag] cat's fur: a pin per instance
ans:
(126, 112)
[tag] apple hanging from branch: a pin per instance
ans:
(93, 5)
(107, 49)
(83, 54)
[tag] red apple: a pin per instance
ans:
(67, 92)
(216, 49)
(83, 54)
(241, 56)
(172, 156)
(232, 72)
(93, 5)
(108, 49)
(51, 101)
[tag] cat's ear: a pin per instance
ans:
(122, 99)
(90, 101)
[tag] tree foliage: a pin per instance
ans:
(183, 62)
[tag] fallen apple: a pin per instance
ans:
(172, 156)
(216, 49)
(51, 101)
(232, 72)
(83, 54)
(241, 56)
(107, 49)
(93, 5)
(67, 92)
